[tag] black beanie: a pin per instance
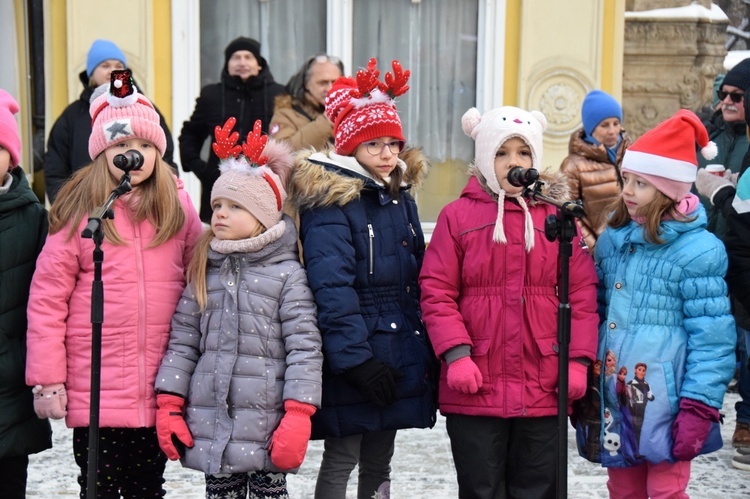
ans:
(243, 43)
(739, 76)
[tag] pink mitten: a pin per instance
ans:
(577, 380)
(50, 401)
(464, 376)
(691, 428)
(171, 430)
(289, 441)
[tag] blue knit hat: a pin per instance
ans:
(597, 107)
(100, 51)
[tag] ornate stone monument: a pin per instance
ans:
(671, 59)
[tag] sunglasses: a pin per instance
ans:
(736, 97)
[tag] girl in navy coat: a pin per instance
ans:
(665, 317)
(363, 247)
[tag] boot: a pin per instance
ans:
(741, 437)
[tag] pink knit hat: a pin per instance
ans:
(122, 114)
(255, 179)
(665, 155)
(9, 138)
(364, 109)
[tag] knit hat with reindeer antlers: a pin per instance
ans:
(363, 109)
(255, 179)
(121, 114)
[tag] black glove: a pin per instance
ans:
(376, 380)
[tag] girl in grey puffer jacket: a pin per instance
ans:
(242, 373)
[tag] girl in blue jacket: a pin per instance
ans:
(665, 317)
(363, 248)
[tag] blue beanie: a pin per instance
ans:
(597, 107)
(100, 51)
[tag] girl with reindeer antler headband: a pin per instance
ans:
(246, 325)
(363, 247)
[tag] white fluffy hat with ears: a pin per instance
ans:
(489, 132)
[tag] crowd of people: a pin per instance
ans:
(299, 300)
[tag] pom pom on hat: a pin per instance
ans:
(253, 175)
(363, 108)
(9, 138)
(598, 106)
(665, 155)
(100, 51)
(122, 113)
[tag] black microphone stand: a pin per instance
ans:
(95, 231)
(561, 227)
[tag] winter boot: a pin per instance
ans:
(741, 459)
(741, 437)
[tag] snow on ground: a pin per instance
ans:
(422, 469)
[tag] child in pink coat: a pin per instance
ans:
(146, 247)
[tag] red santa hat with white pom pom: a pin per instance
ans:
(665, 155)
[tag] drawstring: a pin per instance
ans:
(499, 233)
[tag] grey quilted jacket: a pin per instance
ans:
(255, 345)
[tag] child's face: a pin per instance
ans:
(144, 147)
(4, 163)
(637, 192)
(513, 152)
(232, 222)
(379, 155)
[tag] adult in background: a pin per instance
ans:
(68, 142)
(246, 91)
(593, 164)
(299, 117)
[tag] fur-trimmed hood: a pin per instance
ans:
(555, 184)
(326, 178)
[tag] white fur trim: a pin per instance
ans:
(660, 166)
(375, 97)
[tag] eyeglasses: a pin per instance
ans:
(326, 58)
(735, 96)
(375, 147)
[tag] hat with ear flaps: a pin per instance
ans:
(665, 155)
(489, 132)
(254, 174)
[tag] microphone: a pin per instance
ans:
(129, 160)
(522, 177)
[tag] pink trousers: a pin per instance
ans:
(655, 481)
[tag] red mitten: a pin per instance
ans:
(691, 428)
(289, 441)
(50, 401)
(577, 380)
(464, 376)
(171, 430)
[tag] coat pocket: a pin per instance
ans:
(547, 363)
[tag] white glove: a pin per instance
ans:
(709, 184)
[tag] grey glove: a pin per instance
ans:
(708, 184)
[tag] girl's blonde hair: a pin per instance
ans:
(157, 201)
(196, 271)
(653, 214)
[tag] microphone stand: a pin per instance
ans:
(95, 231)
(561, 227)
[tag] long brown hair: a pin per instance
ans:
(394, 184)
(157, 201)
(653, 214)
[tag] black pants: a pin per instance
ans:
(130, 464)
(13, 477)
(499, 458)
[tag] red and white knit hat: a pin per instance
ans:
(665, 155)
(363, 109)
(121, 114)
(253, 175)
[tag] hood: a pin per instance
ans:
(19, 194)
(670, 229)
(325, 178)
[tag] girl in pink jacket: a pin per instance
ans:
(489, 301)
(146, 247)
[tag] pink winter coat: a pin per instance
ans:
(502, 301)
(141, 288)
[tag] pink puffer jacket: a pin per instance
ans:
(141, 288)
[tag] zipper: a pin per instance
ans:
(372, 239)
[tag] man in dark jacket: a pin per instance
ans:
(247, 91)
(68, 143)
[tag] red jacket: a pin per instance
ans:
(502, 301)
